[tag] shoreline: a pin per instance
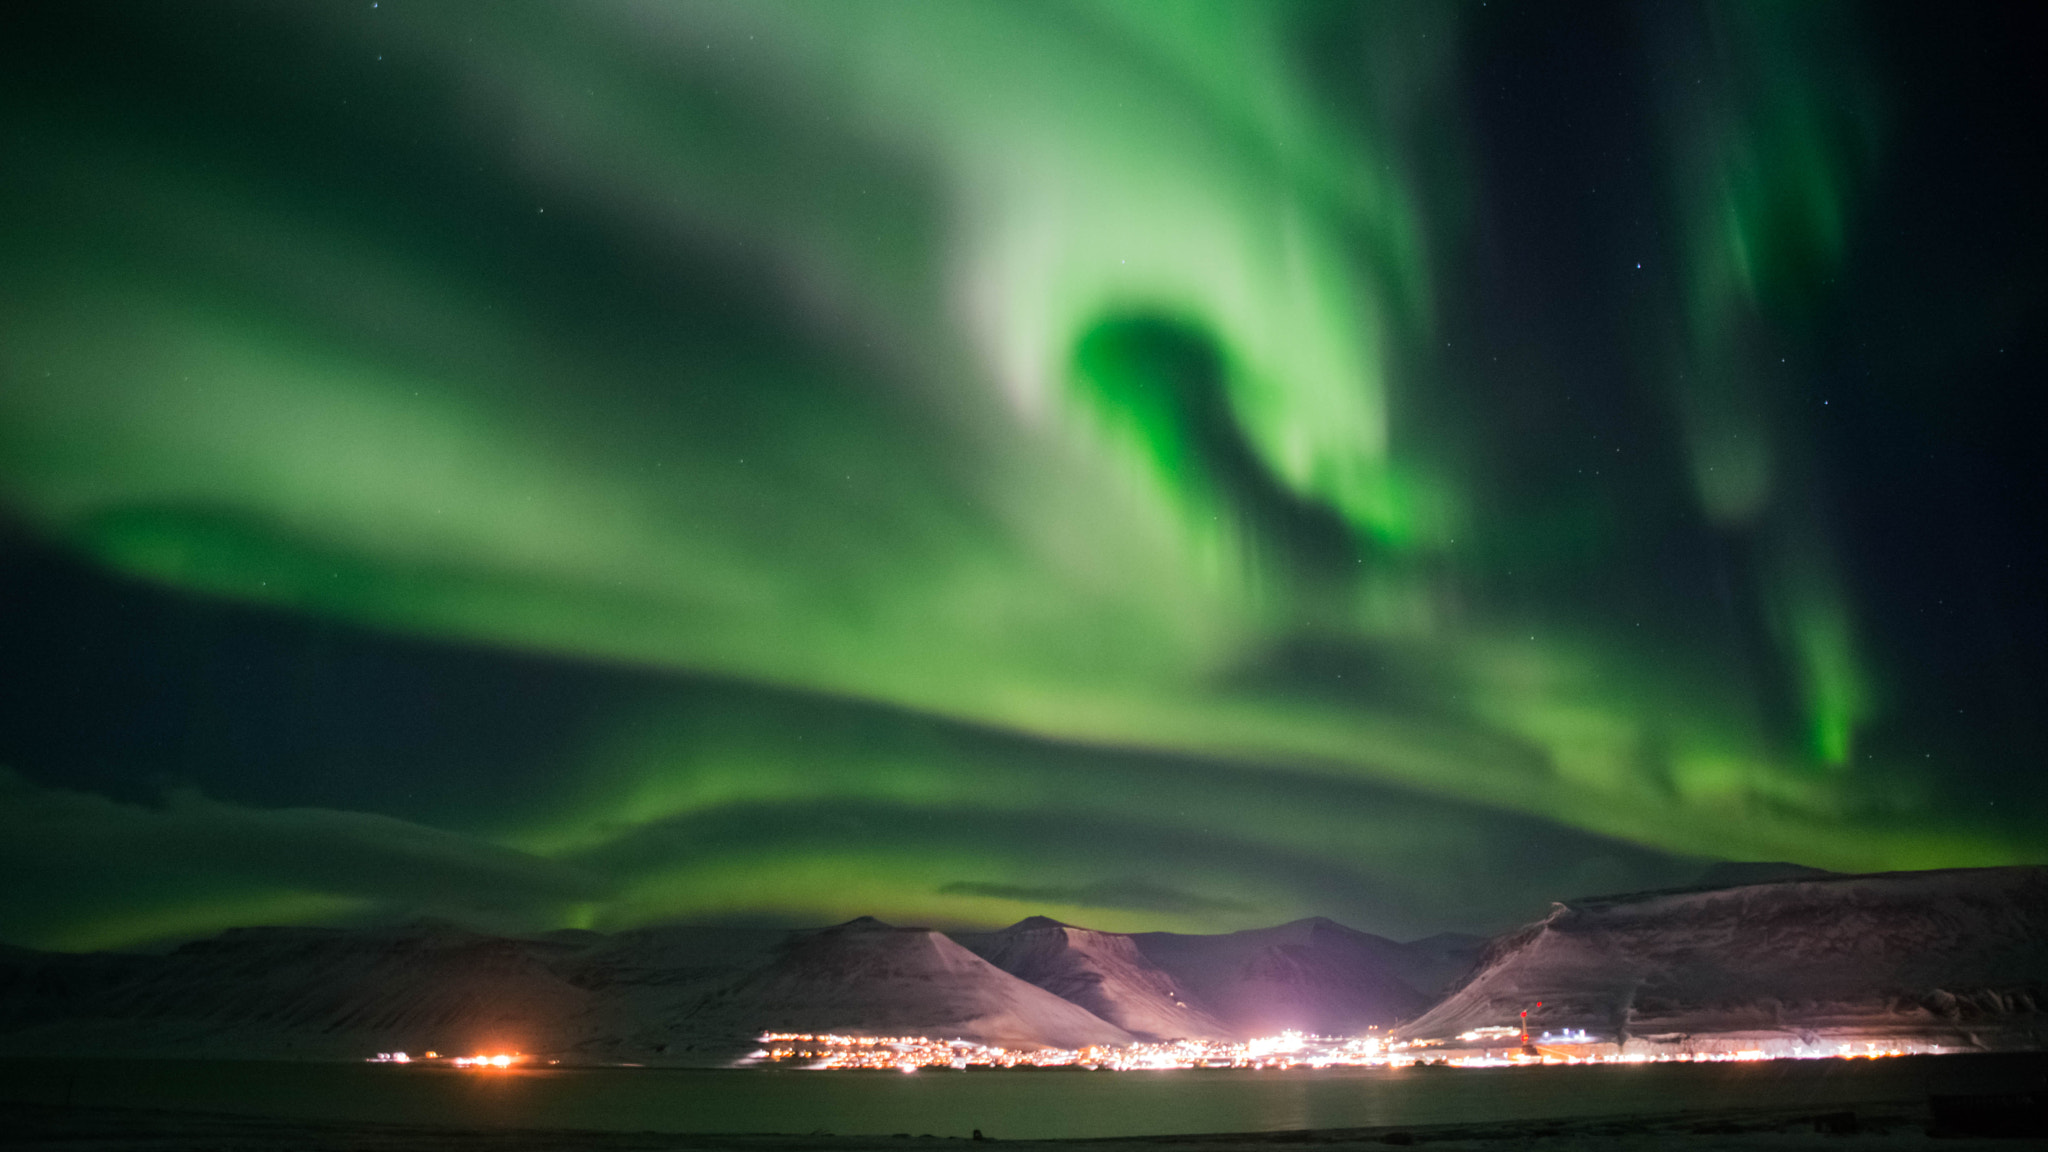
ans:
(58, 1128)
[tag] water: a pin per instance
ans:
(1014, 1104)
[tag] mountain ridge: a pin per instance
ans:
(1953, 952)
(1101, 971)
(1960, 953)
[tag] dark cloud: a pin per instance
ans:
(78, 869)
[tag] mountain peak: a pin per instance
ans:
(862, 924)
(1308, 928)
(1035, 923)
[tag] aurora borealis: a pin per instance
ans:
(1164, 465)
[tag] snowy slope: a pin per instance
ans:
(1311, 975)
(640, 983)
(1958, 952)
(308, 992)
(665, 995)
(343, 994)
(1434, 963)
(1101, 971)
(868, 977)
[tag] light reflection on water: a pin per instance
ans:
(1016, 1104)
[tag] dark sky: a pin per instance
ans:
(1160, 465)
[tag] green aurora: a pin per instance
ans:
(964, 460)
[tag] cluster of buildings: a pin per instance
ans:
(1500, 1047)
(1482, 1048)
(481, 1060)
(908, 1053)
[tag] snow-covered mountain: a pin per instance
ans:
(313, 993)
(1959, 952)
(699, 995)
(1101, 971)
(1311, 975)
(641, 983)
(677, 995)
(297, 992)
(870, 978)
(1434, 963)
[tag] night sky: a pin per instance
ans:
(1160, 465)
